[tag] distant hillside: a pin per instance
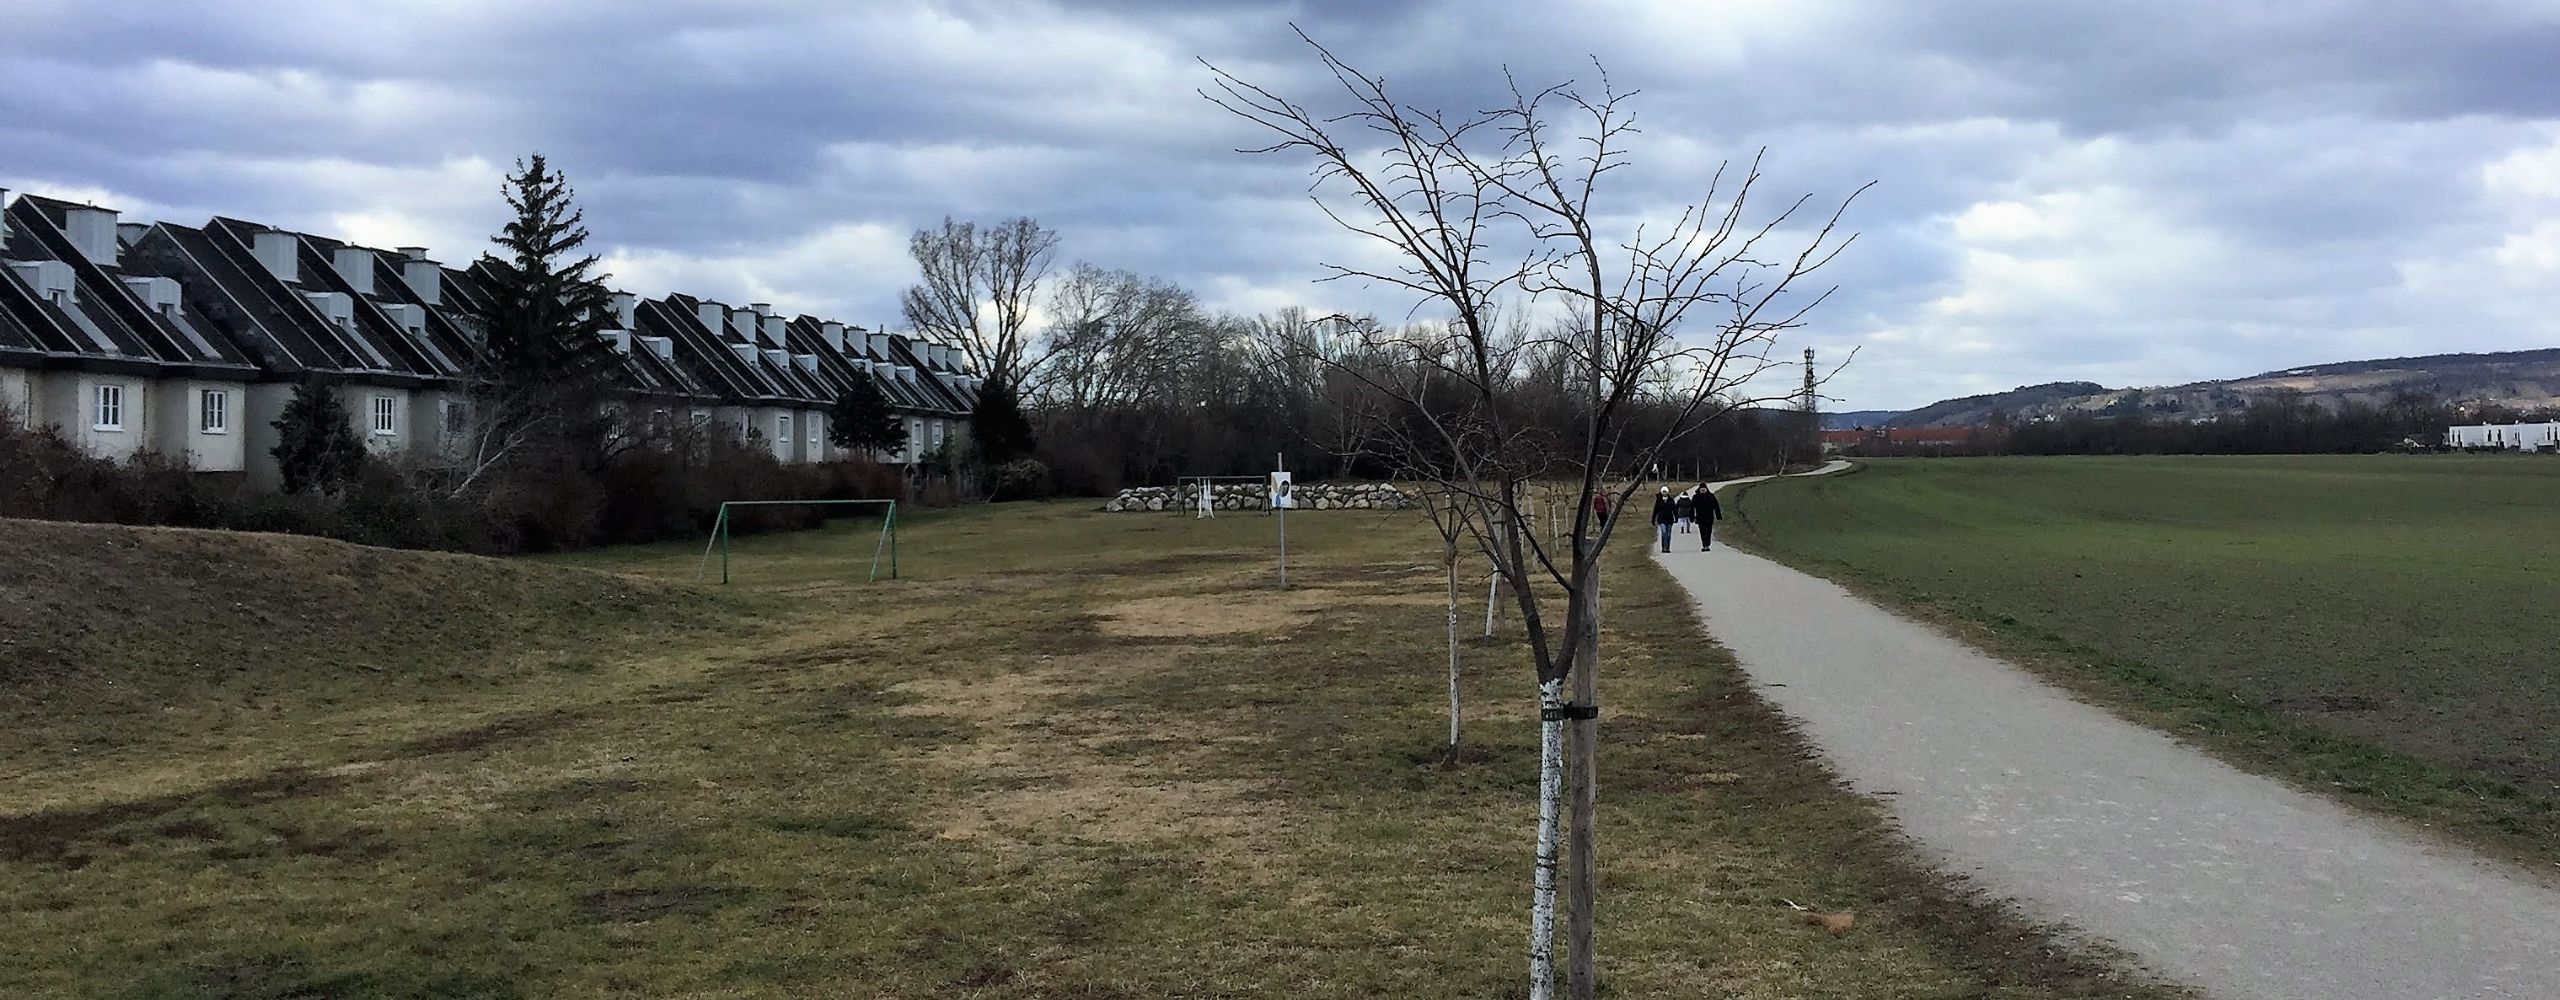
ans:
(1854, 419)
(2021, 401)
(2521, 379)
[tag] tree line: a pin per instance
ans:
(1133, 381)
(2277, 423)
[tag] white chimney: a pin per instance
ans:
(776, 330)
(424, 277)
(356, 265)
(762, 308)
(159, 295)
(278, 251)
(713, 316)
(880, 345)
(663, 347)
(833, 333)
(743, 323)
(626, 307)
(92, 232)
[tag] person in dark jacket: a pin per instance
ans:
(1684, 508)
(1708, 513)
(1664, 512)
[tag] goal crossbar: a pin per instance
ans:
(888, 541)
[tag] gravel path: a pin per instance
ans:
(2234, 883)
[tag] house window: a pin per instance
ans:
(110, 408)
(782, 430)
(213, 412)
(937, 434)
(386, 416)
(457, 417)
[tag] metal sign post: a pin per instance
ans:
(1280, 500)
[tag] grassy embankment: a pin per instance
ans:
(1070, 755)
(2371, 626)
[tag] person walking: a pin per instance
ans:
(1708, 513)
(1684, 508)
(1664, 512)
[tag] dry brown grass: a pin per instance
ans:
(1071, 754)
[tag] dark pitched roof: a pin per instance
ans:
(709, 355)
(102, 318)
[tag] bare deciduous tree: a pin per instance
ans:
(1679, 318)
(1111, 337)
(979, 289)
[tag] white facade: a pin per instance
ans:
(18, 394)
(202, 421)
(380, 416)
(106, 415)
(2515, 437)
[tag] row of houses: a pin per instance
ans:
(2513, 437)
(188, 340)
(1923, 438)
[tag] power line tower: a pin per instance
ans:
(1807, 403)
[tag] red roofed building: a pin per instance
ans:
(1899, 439)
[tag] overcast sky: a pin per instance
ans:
(2134, 194)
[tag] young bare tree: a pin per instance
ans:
(980, 286)
(1679, 317)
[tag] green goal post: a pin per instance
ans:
(888, 542)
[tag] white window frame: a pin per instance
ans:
(106, 407)
(213, 411)
(385, 411)
(782, 429)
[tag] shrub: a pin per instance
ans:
(1020, 479)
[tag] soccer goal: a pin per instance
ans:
(1203, 504)
(887, 544)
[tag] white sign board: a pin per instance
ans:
(1282, 498)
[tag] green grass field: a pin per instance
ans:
(2372, 626)
(1069, 754)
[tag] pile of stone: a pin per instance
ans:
(1255, 496)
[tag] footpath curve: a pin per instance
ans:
(2230, 882)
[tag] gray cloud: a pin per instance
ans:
(2130, 193)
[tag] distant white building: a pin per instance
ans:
(2515, 437)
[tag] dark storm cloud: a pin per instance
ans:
(2129, 193)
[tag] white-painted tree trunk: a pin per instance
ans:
(1542, 895)
(1492, 600)
(1453, 653)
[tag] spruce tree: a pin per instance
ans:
(861, 419)
(319, 449)
(547, 303)
(998, 426)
